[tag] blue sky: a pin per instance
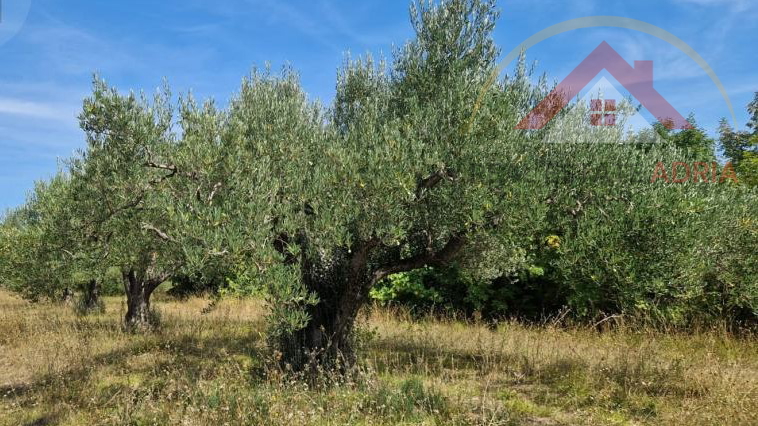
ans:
(47, 64)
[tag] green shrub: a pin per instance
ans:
(112, 283)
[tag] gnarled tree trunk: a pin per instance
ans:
(91, 295)
(89, 302)
(342, 282)
(67, 295)
(138, 291)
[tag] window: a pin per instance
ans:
(603, 112)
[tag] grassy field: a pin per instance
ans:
(57, 368)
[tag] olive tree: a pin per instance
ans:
(42, 254)
(415, 162)
(121, 195)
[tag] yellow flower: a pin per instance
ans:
(553, 241)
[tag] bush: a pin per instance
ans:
(527, 294)
(183, 286)
(112, 283)
(674, 256)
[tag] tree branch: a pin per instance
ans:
(438, 258)
(173, 169)
(215, 189)
(170, 167)
(162, 235)
(433, 180)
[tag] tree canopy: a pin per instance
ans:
(415, 164)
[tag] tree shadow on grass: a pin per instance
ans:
(189, 357)
(632, 383)
(44, 421)
(15, 391)
(395, 355)
(392, 355)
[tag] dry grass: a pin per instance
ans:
(57, 368)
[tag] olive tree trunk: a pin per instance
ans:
(89, 302)
(92, 295)
(138, 291)
(67, 295)
(343, 283)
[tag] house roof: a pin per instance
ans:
(638, 80)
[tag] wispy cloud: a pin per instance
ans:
(198, 29)
(72, 50)
(65, 113)
(669, 62)
(282, 13)
(364, 36)
(747, 88)
(734, 5)
(575, 8)
(322, 21)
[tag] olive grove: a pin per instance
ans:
(416, 163)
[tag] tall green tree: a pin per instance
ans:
(741, 147)
(39, 251)
(415, 163)
(693, 142)
(121, 197)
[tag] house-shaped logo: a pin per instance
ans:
(637, 80)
